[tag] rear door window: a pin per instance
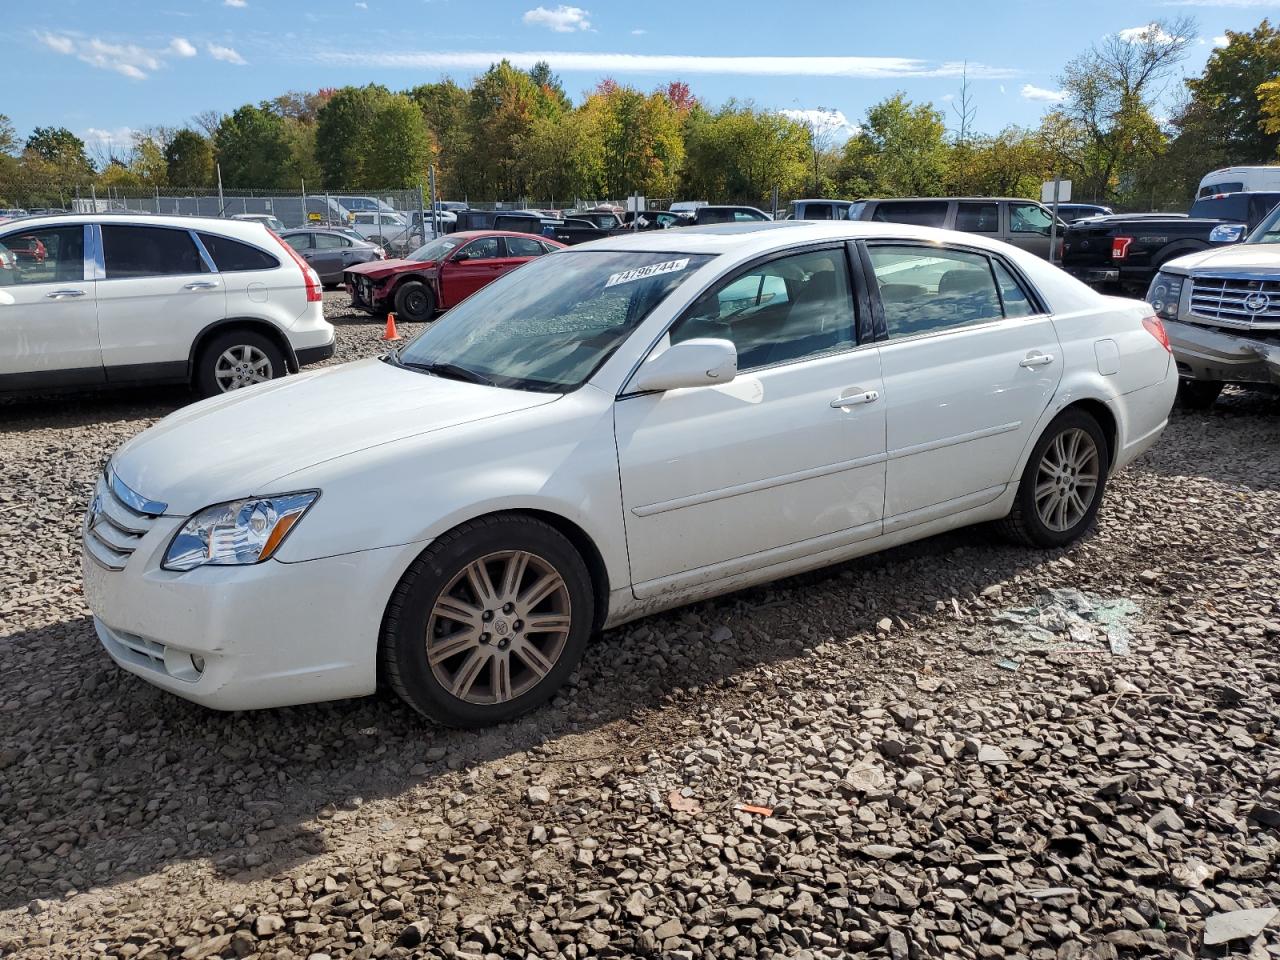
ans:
(524, 247)
(926, 289)
(131, 251)
(972, 217)
(230, 256)
(924, 213)
(331, 241)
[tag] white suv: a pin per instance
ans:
(103, 299)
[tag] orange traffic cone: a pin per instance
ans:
(391, 328)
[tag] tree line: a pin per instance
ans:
(515, 133)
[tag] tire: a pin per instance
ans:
(442, 598)
(1198, 394)
(235, 359)
(414, 302)
(1026, 523)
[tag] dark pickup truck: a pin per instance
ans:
(1128, 249)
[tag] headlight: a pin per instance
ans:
(238, 533)
(1164, 293)
(1226, 233)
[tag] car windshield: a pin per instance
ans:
(437, 249)
(551, 323)
(1268, 231)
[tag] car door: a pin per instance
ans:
(49, 313)
(157, 293)
(970, 361)
(785, 461)
(1030, 226)
(469, 268)
(520, 250)
(331, 254)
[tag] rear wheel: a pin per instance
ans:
(1198, 394)
(1062, 484)
(237, 359)
(414, 302)
(488, 622)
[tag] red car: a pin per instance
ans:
(441, 273)
(30, 249)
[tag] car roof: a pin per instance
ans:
(765, 236)
(251, 230)
(942, 199)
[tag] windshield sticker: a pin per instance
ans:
(643, 273)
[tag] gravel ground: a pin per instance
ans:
(880, 759)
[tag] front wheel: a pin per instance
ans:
(488, 622)
(1063, 483)
(237, 359)
(414, 302)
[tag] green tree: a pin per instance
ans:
(345, 126)
(445, 108)
(504, 104)
(1224, 115)
(1105, 128)
(639, 137)
(1269, 103)
(60, 148)
(400, 148)
(900, 151)
(189, 157)
(8, 136)
(741, 153)
(252, 147)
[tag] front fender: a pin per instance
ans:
(560, 461)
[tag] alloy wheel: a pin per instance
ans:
(498, 627)
(1067, 479)
(241, 366)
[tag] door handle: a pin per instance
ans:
(202, 285)
(63, 294)
(871, 396)
(1036, 360)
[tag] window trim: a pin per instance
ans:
(204, 254)
(1040, 306)
(735, 274)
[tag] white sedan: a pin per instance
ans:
(612, 430)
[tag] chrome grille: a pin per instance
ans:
(117, 521)
(1237, 301)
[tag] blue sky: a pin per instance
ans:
(106, 67)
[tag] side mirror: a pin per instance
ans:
(460, 256)
(702, 362)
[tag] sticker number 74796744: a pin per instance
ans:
(642, 273)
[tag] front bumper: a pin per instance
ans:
(364, 293)
(242, 638)
(1203, 353)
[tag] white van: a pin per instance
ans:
(1240, 180)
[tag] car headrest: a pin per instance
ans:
(964, 280)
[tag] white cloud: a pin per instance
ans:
(57, 43)
(361, 5)
(1151, 32)
(562, 19)
(126, 59)
(638, 32)
(239, 4)
(182, 47)
(623, 63)
(226, 54)
(1031, 92)
(1221, 41)
(833, 122)
(117, 140)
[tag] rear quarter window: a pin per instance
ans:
(231, 256)
(931, 213)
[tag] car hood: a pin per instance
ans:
(247, 442)
(1249, 257)
(383, 268)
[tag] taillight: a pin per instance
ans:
(1120, 247)
(309, 276)
(1157, 330)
